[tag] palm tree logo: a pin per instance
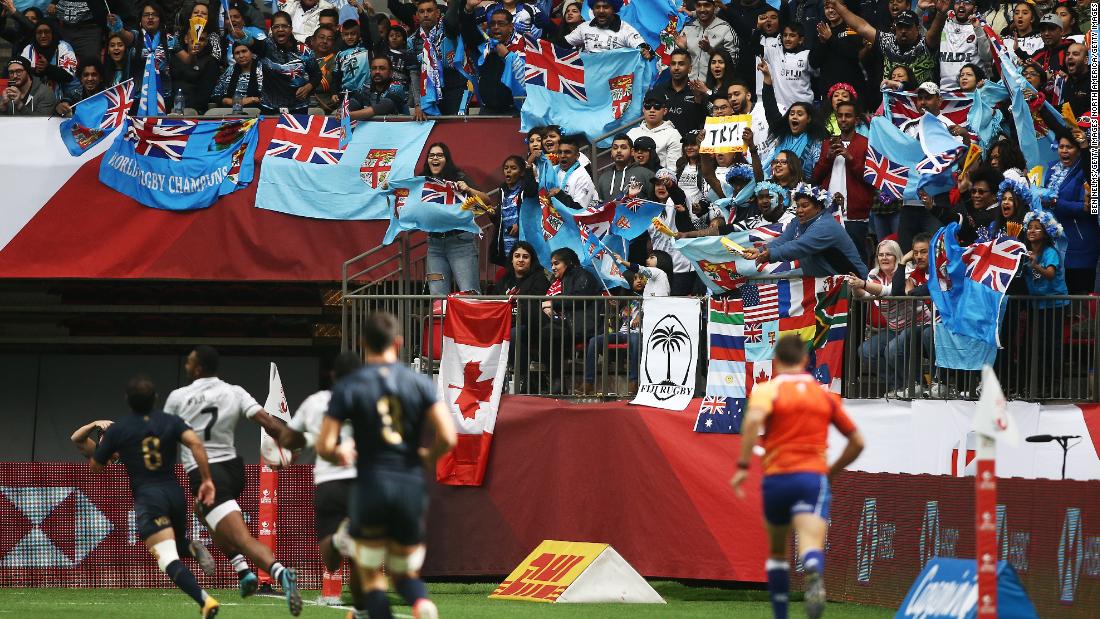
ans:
(669, 337)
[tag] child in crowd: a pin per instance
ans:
(1046, 276)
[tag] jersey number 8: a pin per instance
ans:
(150, 452)
(389, 411)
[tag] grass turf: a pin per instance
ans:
(455, 601)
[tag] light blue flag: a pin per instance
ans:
(512, 76)
(352, 188)
(548, 225)
(724, 270)
(599, 110)
(427, 205)
(899, 148)
(150, 102)
(180, 165)
(96, 117)
(625, 217)
(983, 118)
(942, 154)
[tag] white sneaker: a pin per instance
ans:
(938, 391)
(425, 609)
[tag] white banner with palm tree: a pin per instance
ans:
(670, 352)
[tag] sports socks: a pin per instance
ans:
(412, 589)
(814, 561)
(185, 580)
(779, 585)
(240, 565)
(378, 604)
(276, 570)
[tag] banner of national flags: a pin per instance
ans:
(742, 333)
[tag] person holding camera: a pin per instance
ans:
(839, 169)
(25, 94)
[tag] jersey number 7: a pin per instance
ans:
(209, 428)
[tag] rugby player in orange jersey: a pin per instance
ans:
(795, 412)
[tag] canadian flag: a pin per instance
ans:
(476, 337)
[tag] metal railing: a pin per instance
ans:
(575, 347)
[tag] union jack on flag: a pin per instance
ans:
(555, 68)
(993, 263)
(766, 234)
(160, 137)
(119, 100)
(885, 175)
(903, 107)
(713, 405)
(935, 164)
(440, 192)
(309, 139)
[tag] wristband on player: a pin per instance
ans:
(744, 466)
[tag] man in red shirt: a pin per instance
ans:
(795, 412)
(840, 170)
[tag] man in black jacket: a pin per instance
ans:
(685, 113)
(493, 60)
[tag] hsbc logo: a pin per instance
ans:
(1012, 545)
(874, 539)
(55, 527)
(935, 541)
(1070, 554)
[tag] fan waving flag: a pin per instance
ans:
(584, 93)
(96, 117)
(722, 268)
(309, 139)
(471, 377)
(903, 106)
(428, 205)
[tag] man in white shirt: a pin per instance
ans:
(663, 132)
(790, 68)
(706, 34)
(305, 15)
(606, 31)
(576, 187)
(961, 43)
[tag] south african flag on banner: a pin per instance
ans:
(814, 308)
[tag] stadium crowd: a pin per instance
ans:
(813, 71)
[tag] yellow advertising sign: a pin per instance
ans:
(722, 134)
(548, 571)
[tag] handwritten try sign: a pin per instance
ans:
(722, 134)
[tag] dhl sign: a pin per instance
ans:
(548, 571)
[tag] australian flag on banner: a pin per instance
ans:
(96, 117)
(722, 408)
(428, 205)
(591, 94)
(180, 165)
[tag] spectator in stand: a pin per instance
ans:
(117, 59)
(1067, 14)
(963, 42)
(507, 200)
(1014, 199)
(791, 73)
(1052, 56)
(816, 240)
(627, 331)
(406, 68)
(435, 43)
(196, 72)
(1006, 157)
(151, 37)
(743, 16)
(452, 261)
(674, 218)
(904, 45)
(289, 75)
(322, 44)
(242, 81)
(888, 351)
(25, 95)
(82, 25)
(354, 56)
(796, 130)
(493, 60)
(575, 188)
(624, 175)
(840, 170)
(837, 53)
(686, 108)
(90, 75)
(571, 18)
(664, 133)
(837, 94)
(305, 16)
(1022, 35)
(704, 36)
(978, 199)
(1077, 90)
(739, 97)
(971, 77)
(381, 97)
(765, 36)
(52, 60)
(524, 276)
(20, 32)
(719, 75)
(330, 18)
(1065, 191)
(645, 153)
(566, 323)
(689, 177)
(526, 17)
(199, 9)
(606, 31)
(1047, 277)
(900, 78)
(237, 29)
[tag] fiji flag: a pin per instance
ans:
(591, 94)
(428, 205)
(941, 151)
(902, 151)
(547, 224)
(883, 174)
(150, 102)
(625, 217)
(717, 262)
(96, 117)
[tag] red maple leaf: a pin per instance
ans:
(474, 391)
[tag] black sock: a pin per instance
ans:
(276, 570)
(183, 548)
(240, 565)
(185, 580)
(412, 589)
(378, 604)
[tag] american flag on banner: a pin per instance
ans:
(761, 302)
(883, 174)
(555, 68)
(165, 138)
(309, 139)
(993, 263)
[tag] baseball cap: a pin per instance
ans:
(691, 137)
(653, 97)
(1050, 19)
(928, 88)
(645, 143)
(906, 18)
(664, 174)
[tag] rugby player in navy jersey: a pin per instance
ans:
(389, 407)
(146, 442)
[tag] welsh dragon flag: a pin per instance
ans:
(471, 375)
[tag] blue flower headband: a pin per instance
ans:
(778, 194)
(1046, 219)
(1018, 189)
(740, 171)
(813, 192)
